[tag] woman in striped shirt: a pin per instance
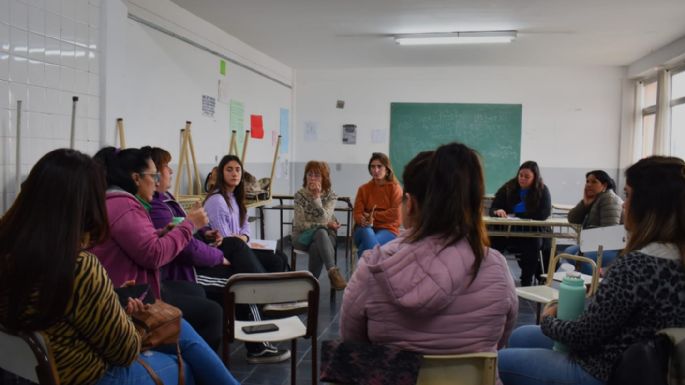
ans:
(48, 283)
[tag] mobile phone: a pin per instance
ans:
(263, 328)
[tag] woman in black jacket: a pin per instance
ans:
(524, 196)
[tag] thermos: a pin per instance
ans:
(571, 301)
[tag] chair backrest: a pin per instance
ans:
(460, 369)
(26, 356)
(274, 288)
(595, 271)
(609, 238)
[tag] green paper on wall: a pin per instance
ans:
(222, 67)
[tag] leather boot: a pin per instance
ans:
(337, 280)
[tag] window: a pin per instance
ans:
(648, 106)
(678, 113)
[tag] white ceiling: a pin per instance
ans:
(325, 34)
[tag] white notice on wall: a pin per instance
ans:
(378, 136)
(223, 91)
(208, 105)
(311, 131)
(349, 134)
(282, 168)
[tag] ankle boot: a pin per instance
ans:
(337, 280)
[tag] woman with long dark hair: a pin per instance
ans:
(641, 294)
(136, 250)
(524, 196)
(438, 288)
(228, 214)
(49, 283)
(377, 206)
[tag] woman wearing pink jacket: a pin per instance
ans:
(438, 288)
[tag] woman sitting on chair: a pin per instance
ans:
(524, 196)
(438, 288)
(377, 206)
(599, 207)
(136, 250)
(314, 225)
(641, 294)
(49, 283)
(228, 214)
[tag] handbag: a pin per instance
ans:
(306, 237)
(159, 324)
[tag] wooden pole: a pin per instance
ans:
(181, 161)
(247, 138)
(273, 166)
(231, 143)
(120, 130)
(192, 153)
(187, 158)
(72, 136)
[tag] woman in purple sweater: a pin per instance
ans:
(165, 212)
(136, 251)
(215, 258)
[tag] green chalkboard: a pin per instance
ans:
(494, 130)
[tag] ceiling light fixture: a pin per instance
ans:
(478, 37)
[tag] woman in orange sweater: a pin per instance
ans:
(377, 206)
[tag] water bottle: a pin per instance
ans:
(571, 301)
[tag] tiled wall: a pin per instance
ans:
(49, 52)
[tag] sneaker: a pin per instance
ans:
(269, 355)
(285, 308)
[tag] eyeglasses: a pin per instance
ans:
(155, 176)
(313, 174)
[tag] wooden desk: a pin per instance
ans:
(283, 207)
(531, 228)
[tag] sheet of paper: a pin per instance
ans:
(262, 244)
(236, 110)
(378, 136)
(311, 131)
(256, 127)
(284, 130)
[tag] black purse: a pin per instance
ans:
(643, 363)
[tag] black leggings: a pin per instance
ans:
(203, 314)
(528, 248)
(243, 260)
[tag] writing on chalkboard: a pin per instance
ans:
(494, 130)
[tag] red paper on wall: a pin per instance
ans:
(256, 127)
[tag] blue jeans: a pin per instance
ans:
(366, 238)
(608, 257)
(202, 365)
(530, 360)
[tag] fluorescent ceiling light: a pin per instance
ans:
(456, 38)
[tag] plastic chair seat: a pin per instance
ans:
(541, 294)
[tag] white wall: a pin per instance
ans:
(155, 82)
(571, 116)
(49, 52)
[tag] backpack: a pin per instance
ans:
(659, 360)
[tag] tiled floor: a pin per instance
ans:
(279, 374)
